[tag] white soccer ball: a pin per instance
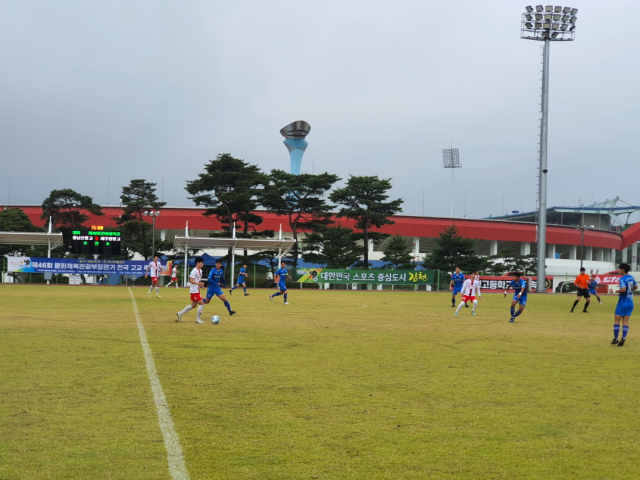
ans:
(215, 319)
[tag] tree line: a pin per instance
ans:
(233, 191)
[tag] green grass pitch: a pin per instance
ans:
(337, 385)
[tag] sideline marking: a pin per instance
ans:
(177, 468)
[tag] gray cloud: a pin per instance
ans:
(123, 90)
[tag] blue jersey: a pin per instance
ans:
(282, 273)
(241, 276)
(216, 277)
(519, 286)
(458, 280)
(592, 285)
(628, 282)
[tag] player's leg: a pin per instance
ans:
(157, 288)
(200, 308)
(521, 309)
(579, 296)
(284, 292)
(625, 329)
(587, 300)
(244, 287)
(275, 295)
(514, 302)
(475, 305)
(460, 305)
(453, 298)
(185, 310)
(223, 299)
(616, 328)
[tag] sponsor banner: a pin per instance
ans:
(380, 277)
(86, 266)
(500, 283)
(608, 279)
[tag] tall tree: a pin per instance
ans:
(139, 196)
(365, 200)
(16, 220)
(397, 253)
(228, 189)
(509, 261)
(452, 250)
(332, 247)
(66, 208)
(300, 198)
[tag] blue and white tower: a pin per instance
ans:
(295, 142)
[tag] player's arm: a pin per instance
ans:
(146, 271)
(479, 292)
(451, 284)
(506, 290)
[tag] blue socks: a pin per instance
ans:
(276, 294)
(625, 330)
(616, 331)
(513, 312)
(517, 313)
(226, 304)
(285, 297)
(245, 289)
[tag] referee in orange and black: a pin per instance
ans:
(582, 281)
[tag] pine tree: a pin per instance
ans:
(396, 253)
(452, 250)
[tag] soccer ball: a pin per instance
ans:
(215, 319)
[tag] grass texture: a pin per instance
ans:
(337, 385)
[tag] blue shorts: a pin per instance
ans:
(240, 280)
(282, 287)
(624, 309)
(593, 292)
(522, 300)
(456, 290)
(211, 291)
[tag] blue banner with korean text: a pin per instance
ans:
(77, 266)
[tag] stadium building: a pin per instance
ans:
(608, 242)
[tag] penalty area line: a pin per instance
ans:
(177, 468)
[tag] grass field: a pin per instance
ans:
(337, 385)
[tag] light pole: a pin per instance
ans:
(153, 214)
(546, 24)
(582, 228)
(451, 159)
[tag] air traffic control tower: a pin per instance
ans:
(295, 142)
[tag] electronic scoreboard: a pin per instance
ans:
(96, 241)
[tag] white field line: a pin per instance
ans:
(177, 468)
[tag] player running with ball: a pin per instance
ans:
(470, 288)
(195, 283)
(216, 280)
(520, 290)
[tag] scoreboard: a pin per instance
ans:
(96, 241)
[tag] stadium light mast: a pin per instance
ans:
(546, 24)
(451, 159)
(153, 214)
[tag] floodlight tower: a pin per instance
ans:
(546, 24)
(451, 159)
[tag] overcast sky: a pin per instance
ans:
(94, 94)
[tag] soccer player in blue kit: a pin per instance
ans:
(457, 279)
(593, 283)
(216, 280)
(242, 277)
(625, 304)
(282, 283)
(520, 290)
